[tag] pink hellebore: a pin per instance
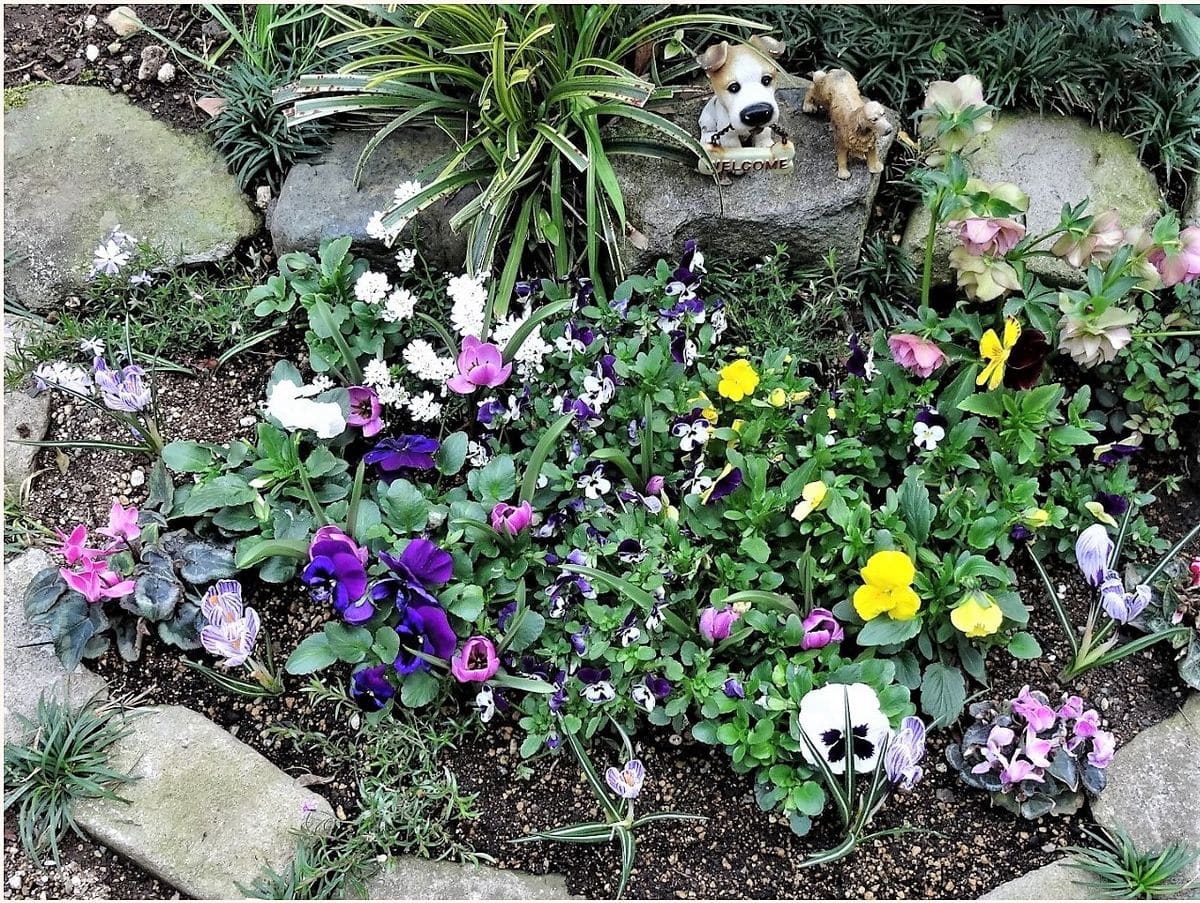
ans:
(475, 661)
(990, 236)
(1182, 265)
(479, 364)
(717, 625)
(915, 354)
(365, 409)
(820, 629)
(96, 581)
(122, 523)
(510, 519)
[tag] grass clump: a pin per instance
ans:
(1116, 869)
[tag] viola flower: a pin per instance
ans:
(983, 278)
(1035, 708)
(485, 703)
(415, 572)
(643, 698)
(403, 453)
(861, 362)
(475, 661)
(996, 353)
(1026, 359)
(683, 349)
(1019, 533)
(594, 484)
(234, 639)
(629, 633)
(822, 719)
(293, 407)
(929, 429)
(990, 235)
(820, 629)
(812, 497)
(337, 572)
(716, 625)
(365, 410)
(915, 354)
(423, 628)
(122, 523)
(1093, 550)
(692, 431)
(1097, 243)
(510, 520)
(977, 614)
(626, 783)
(727, 481)
(904, 753)
(887, 587)
(733, 688)
(738, 380)
(371, 688)
(1112, 452)
(598, 688)
(480, 364)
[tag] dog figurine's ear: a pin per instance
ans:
(714, 57)
(769, 46)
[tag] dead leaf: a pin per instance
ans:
(61, 459)
(211, 105)
(639, 240)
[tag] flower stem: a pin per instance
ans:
(927, 272)
(1166, 332)
(306, 486)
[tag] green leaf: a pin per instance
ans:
(540, 453)
(526, 631)
(420, 688)
(756, 547)
(496, 481)
(985, 404)
(916, 509)
(387, 643)
(349, 644)
(1024, 646)
(404, 508)
(809, 798)
(311, 655)
(943, 693)
(883, 631)
(452, 454)
(187, 457)
(705, 731)
(469, 603)
(225, 491)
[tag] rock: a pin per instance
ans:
(166, 73)
(79, 161)
(1056, 160)
(318, 199)
(124, 21)
(31, 667)
(1055, 881)
(412, 878)
(808, 207)
(1192, 215)
(206, 813)
(1153, 787)
(153, 56)
(26, 417)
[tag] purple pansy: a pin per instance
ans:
(423, 628)
(403, 453)
(337, 573)
(415, 572)
(371, 688)
(733, 688)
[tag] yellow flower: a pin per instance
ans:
(811, 498)
(707, 411)
(996, 353)
(1100, 514)
(737, 380)
(778, 398)
(1035, 517)
(888, 579)
(736, 426)
(977, 615)
(799, 397)
(832, 412)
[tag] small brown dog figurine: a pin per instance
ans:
(743, 109)
(857, 124)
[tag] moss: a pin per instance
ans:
(15, 98)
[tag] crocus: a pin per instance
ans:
(820, 629)
(222, 602)
(1119, 605)
(122, 523)
(915, 354)
(403, 453)
(337, 572)
(811, 498)
(733, 688)
(626, 782)
(1093, 549)
(426, 629)
(480, 364)
(475, 661)
(887, 587)
(511, 520)
(293, 407)
(365, 410)
(996, 353)
(998, 236)
(904, 754)
(371, 688)
(977, 615)
(231, 639)
(121, 390)
(716, 625)
(822, 719)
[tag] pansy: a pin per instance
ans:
(977, 614)
(1112, 452)
(733, 688)
(475, 661)
(371, 688)
(594, 484)
(1093, 550)
(904, 753)
(365, 410)
(820, 629)
(629, 633)
(887, 587)
(738, 380)
(425, 629)
(929, 429)
(630, 551)
(1026, 359)
(293, 407)
(812, 497)
(728, 480)
(485, 703)
(643, 697)
(692, 431)
(403, 453)
(861, 362)
(822, 719)
(337, 572)
(597, 686)
(915, 354)
(717, 624)
(415, 572)
(626, 782)
(996, 353)
(683, 349)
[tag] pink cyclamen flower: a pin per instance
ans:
(990, 236)
(511, 520)
(122, 523)
(820, 629)
(96, 581)
(717, 625)
(475, 661)
(915, 354)
(479, 364)
(365, 410)
(1019, 770)
(1071, 708)
(1104, 746)
(1182, 264)
(1037, 714)
(1037, 749)
(74, 548)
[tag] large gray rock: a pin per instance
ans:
(206, 813)
(1153, 787)
(807, 208)
(318, 199)
(1191, 216)
(30, 666)
(26, 417)
(1056, 160)
(79, 161)
(1055, 881)
(412, 878)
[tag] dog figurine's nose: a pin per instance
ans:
(757, 114)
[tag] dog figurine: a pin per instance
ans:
(743, 111)
(857, 124)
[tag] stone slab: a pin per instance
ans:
(1056, 160)
(206, 813)
(412, 878)
(26, 417)
(808, 208)
(1055, 881)
(79, 161)
(31, 667)
(1191, 215)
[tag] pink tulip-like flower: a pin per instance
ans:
(820, 629)
(915, 354)
(475, 661)
(122, 523)
(96, 581)
(717, 625)
(990, 235)
(365, 410)
(479, 364)
(1181, 264)
(511, 520)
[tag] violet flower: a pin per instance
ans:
(415, 572)
(733, 688)
(1119, 605)
(717, 625)
(337, 573)
(820, 629)
(371, 688)
(1093, 549)
(902, 760)
(597, 683)
(480, 364)
(423, 628)
(403, 453)
(475, 661)
(861, 362)
(626, 783)
(511, 520)
(365, 410)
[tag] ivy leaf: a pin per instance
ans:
(943, 693)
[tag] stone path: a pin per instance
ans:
(410, 878)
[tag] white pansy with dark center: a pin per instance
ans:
(691, 435)
(485, 704)
(926, 436)
(601, 691)
(594, 484)
(643, 697)
(822, 718)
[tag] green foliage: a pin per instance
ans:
(1115, 869)
(63, 758)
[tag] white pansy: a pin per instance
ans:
(485, 704)
(691, 435)
(594, 484)
(478, 454)
(643, 697)
(294, 408)
(601, 691)
(822, 718)
(926, 436)
(372, 287)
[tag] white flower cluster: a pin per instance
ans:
(70, 377)
(399, 306)
(372, 287)
(530, 356)
(375, 228)
(406, 259)
(426, 364)
(468, 298)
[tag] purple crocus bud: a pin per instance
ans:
(231, 639)
(1034, 708)
(1119, 605)
(365, 410)
(475, 661)
(820, 629)
(733, 688)
(717, 625)
(904, 754)
(1093, 549)
(423, 628)
(626, 783)
(403, 453)
(511, 520)
(371, 688)
(655, 485)
(479, 364)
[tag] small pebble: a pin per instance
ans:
(137, 478)
(90, 22)
(92, 53)
(166, 73)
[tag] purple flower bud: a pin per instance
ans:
(1020, 533)
(655, 485)
(734, 689)
(820, 629)
(511, 520)
(717, 625)
(1092, 551)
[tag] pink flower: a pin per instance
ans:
(1037, 714)
(96, 581)
(475, 661)
(1019, 770)
(74, 547)
(915, 354)
(122, 523)
(479, 364)
(1104, 745)
(365, 410)
(1072, 708)
(1181, 265)
(1037, 749)
(1194, 569)
(511, 520)
(820, 629)
(990, 236)
(717, 625)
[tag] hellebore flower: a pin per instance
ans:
(887, 580)
(1119, 605)
(904, 753)
(983, 278)
(1093, 549)
(977, 614)
(626, 783)
(1180, 262)
(365, 410)
(371, 688)
(1092, 340)
(717, 625)
(996, 236)
(234, 639)
(337, 572)
(423, 628)
(954, 113)
(480, 364)
(996, 353)
(96, 581)
(1098, 243)
(294, 408)
(811, 498)
(511, 520)
(1035, 709)
(415, 572)
(822, 719)
(820, 629)
(738, 380)
(403, 453)
(1026, 359)
(122, 523)
(915, 354)
(475, 661)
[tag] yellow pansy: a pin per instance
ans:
(1035, 517)
(832, 412)
(996, 353)
(811, 498)
(1100, 514)
(977, 615)
(778, 398)
(738, 380)
(888, 579)
(707, 411)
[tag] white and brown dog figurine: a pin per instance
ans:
(857, 124)
(743, 111)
